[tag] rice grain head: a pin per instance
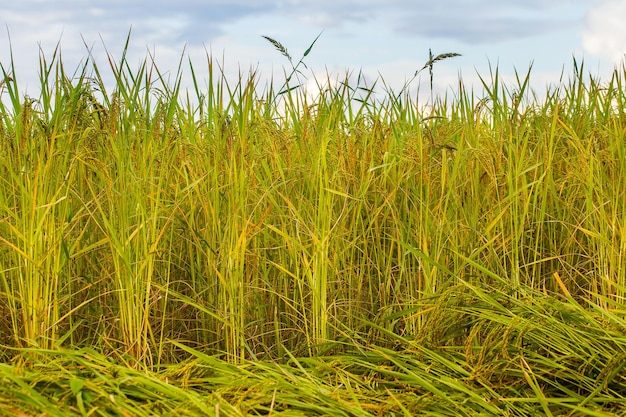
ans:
(279, 46)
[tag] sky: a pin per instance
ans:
(379, 39)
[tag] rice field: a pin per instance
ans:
(240, 249)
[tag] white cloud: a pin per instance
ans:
(605, 33)
(386, 37)
(465, 21)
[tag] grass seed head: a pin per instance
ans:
(279, 46)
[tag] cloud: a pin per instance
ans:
(164, 27)
(358, 32)
(479, 30)
(197, 22)
(465, 21)
(158, 21)
(605, 34)
(486, 21)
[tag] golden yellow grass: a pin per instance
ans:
(347, 256)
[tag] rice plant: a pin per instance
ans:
(343, 255)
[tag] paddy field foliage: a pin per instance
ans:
(243, 249)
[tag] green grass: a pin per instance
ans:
(263, 253)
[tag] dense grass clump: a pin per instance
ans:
(252, 251)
